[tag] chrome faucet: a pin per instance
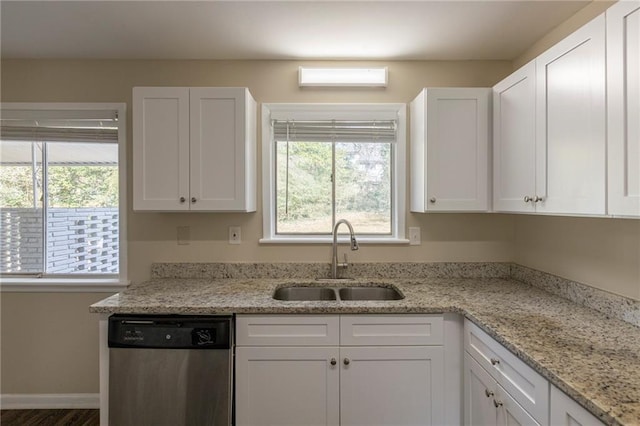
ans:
(354, 246)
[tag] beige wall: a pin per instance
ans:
(28, 368)
(49, 343)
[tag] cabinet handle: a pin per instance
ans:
(488, 393)
(432, 200)
(346, 361)
(333, 361)
(495, 361)
(182, 199)
(538, 199)
(497, 403)
(193, 199)
(527, 198)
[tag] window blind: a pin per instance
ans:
(64, 126)
(335, 131)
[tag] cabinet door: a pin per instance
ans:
(222, 149)
(160, 148)
(450, 149)
(391, 385)
(510, 413)
(479, 393)
(570, 121)
(566, 412)
(514, 153)
(287, 386)
(623, 98)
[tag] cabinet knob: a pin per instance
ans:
(527, 198)
(193, 199)
(333, 361)
(182, 199)
(488, 393)
(497, 403)
(495, 361)
(538, 199)
(346, 361)
(432, 200)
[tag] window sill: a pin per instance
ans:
(61, 285)
(329, 240)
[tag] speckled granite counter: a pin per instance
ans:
(593, 358)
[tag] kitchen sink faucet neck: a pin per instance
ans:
(354, 246)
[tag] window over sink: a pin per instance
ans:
(325, 162)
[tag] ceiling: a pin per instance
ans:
(295, 29)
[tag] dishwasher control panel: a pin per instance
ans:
(170, 332)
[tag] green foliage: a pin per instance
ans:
(69, 186)
(16, 187)
(83, 186)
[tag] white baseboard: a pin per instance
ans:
(49, 400)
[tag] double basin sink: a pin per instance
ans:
(360, 293)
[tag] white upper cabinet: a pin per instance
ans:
(450, 150)
(194, 149)
(571, 124)
(514, 142)
(623, 107)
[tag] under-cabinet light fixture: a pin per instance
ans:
(347, 77)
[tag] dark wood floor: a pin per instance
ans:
(50, 417)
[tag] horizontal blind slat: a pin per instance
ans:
(339, 131)
(58, 134)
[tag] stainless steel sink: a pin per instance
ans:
(369, 293)
(304, 293)
(311, 293)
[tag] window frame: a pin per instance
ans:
(344, 111)
(82, 282)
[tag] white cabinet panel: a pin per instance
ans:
(450, 149)
(287, 386)
(571, 139)
(623, 107)
(479, 390)
(391, 386)
(514, 142)
(566, 412)
(391, 330)
(161, 148)
(287, 330)
(194, 149)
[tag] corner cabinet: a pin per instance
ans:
(623, 108)
(339, 370)
(194, 149)
(566, 412)
(550, 130)
(450, 134)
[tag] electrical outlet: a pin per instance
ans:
(414, 236)
(235, 236)
(184, 235)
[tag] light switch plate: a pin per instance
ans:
(235, 236)
(414, 236)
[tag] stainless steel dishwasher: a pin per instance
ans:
(170, 370)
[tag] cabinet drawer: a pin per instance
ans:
(566, 412)
(287, 330)
(391, 330)
(524, 384)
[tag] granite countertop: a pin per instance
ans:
(593, 358)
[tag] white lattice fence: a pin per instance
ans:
(83, 240)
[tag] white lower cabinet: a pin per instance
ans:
(340, 385)
(487, 403)
(566, 412)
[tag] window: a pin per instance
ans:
(328, 162)
(61, 175)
